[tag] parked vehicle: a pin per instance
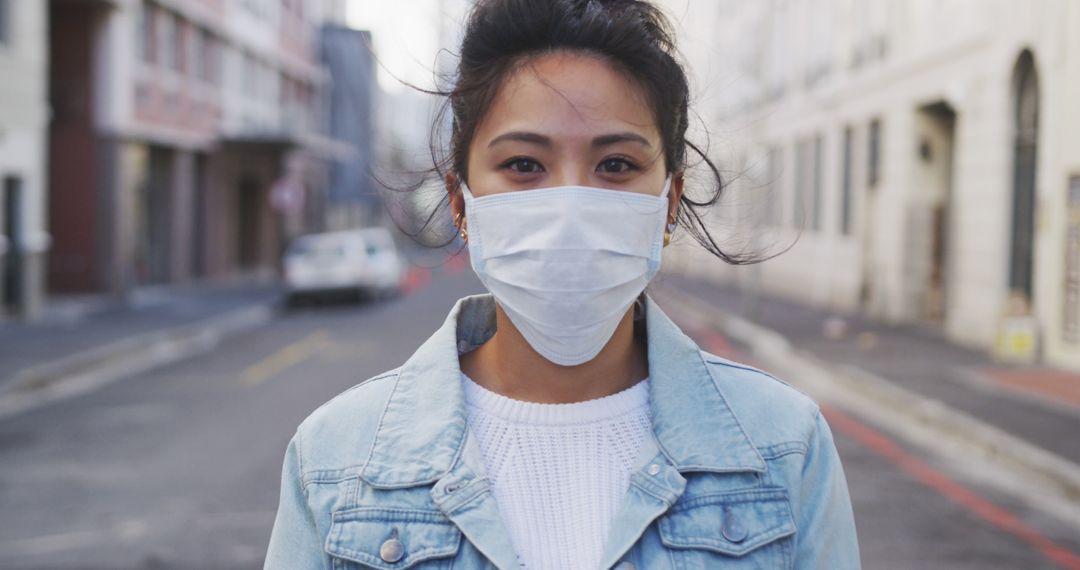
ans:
(361, 263)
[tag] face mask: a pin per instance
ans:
(566, 263)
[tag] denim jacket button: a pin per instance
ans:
(654, 469)
(732, 530)
(392, 550)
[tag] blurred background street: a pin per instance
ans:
(212, 221)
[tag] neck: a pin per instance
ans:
(508, 365)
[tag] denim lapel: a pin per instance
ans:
(423, 425)
(422, 437)
(694, 429)
(694, 426)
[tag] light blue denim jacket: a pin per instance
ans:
(741, 471)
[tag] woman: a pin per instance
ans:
(563, 421)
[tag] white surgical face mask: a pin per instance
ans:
(566, 263)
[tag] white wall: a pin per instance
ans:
(781, 71)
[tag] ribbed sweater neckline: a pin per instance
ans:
(627, 401)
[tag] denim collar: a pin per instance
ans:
(422, 430)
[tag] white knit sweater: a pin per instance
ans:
(559, 471)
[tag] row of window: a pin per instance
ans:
(288, 15)
(164, 38)
(807, 211)
(5, 22)
(168, 41)
(798, 40)
(264, 9)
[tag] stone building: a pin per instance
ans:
(924, 154)
(186, 141)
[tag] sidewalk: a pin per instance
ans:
(1038, 405)
(85, 336)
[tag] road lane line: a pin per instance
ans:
(285, 358)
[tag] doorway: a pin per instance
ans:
(936, 132)
(153, 219)
(199, 225)
(1025, 155)
(13, 236)
(247, 226)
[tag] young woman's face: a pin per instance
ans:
(567, 119)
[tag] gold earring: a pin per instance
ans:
(461, 227)
(667, 233)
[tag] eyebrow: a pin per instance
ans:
(542, 140)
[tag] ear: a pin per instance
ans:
(675, 194)
(453, 190)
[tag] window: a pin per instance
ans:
(145, 33)
(286, 91)
(196, 60)
(262, 71)
(5, 22)
(226, 64)
(773, 186)
(845, 181)
(802, 182)
(807, 210)
(183, 56)
(209, 57)
(251, 77)
(778, 59)
(815, 181)
(169, 40)
(873, 166)
(140, 32)
(273, 86)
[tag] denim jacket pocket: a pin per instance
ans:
(745, 529)
(391, 539)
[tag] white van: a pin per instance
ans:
(362, 262)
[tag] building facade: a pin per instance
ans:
(922, 156)
(186, 140)
(24, 112)
(352, 199)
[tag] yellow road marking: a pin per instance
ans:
(352, 350)
(286, 357)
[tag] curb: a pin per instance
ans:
(92, 369)
(986, 453)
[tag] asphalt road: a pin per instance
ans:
(180, 467)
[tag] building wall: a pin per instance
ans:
(75, 261)
(181, 106)
(23, 128)
(351, 196)
(803, 69)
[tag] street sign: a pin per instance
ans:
(1017, 332)
(287, 195)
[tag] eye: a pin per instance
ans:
(523, 165)
(616, 166)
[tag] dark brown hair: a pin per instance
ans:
(634, 36)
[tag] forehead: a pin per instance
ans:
(568, 95)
